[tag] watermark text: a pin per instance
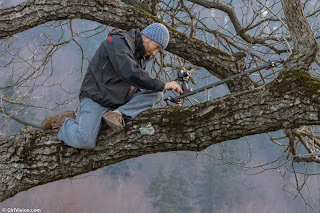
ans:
(8, 210)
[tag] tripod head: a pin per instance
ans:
(184, 77)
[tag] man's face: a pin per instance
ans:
(151, 47)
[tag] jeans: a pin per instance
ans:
(83, 133)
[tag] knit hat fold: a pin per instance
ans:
(158, 33)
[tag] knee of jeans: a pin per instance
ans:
(85, 142)
(159, 97)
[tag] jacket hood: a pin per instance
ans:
(133, 39)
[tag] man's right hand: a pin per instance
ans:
(173, 86)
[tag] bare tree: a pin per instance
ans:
(203, 34)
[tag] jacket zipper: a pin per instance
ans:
(105, 64)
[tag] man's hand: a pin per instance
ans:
(173, 86)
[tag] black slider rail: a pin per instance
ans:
(266, 66)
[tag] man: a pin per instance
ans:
(116, 85)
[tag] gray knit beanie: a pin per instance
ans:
(158, 33)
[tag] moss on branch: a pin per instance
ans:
(295, 81)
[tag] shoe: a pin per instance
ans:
(56, 121)
(114, 120)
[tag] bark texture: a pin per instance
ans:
(305, 45)
(301, 33)
(35, 157)
(36, 12)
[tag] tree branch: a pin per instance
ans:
(306, 47)
(35, 157)
(36, 12)
(235, 21)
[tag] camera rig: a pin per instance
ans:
(184, 76)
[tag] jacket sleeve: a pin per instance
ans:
(122, 60)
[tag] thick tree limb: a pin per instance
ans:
(36, 12)
(306, 47)
(301, 33)
(35, 157)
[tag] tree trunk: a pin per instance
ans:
(305, 45)
(35, 157)
(36, 12)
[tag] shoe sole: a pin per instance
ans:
(71, 114)
(115, 127)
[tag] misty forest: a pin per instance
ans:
(251, 144)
